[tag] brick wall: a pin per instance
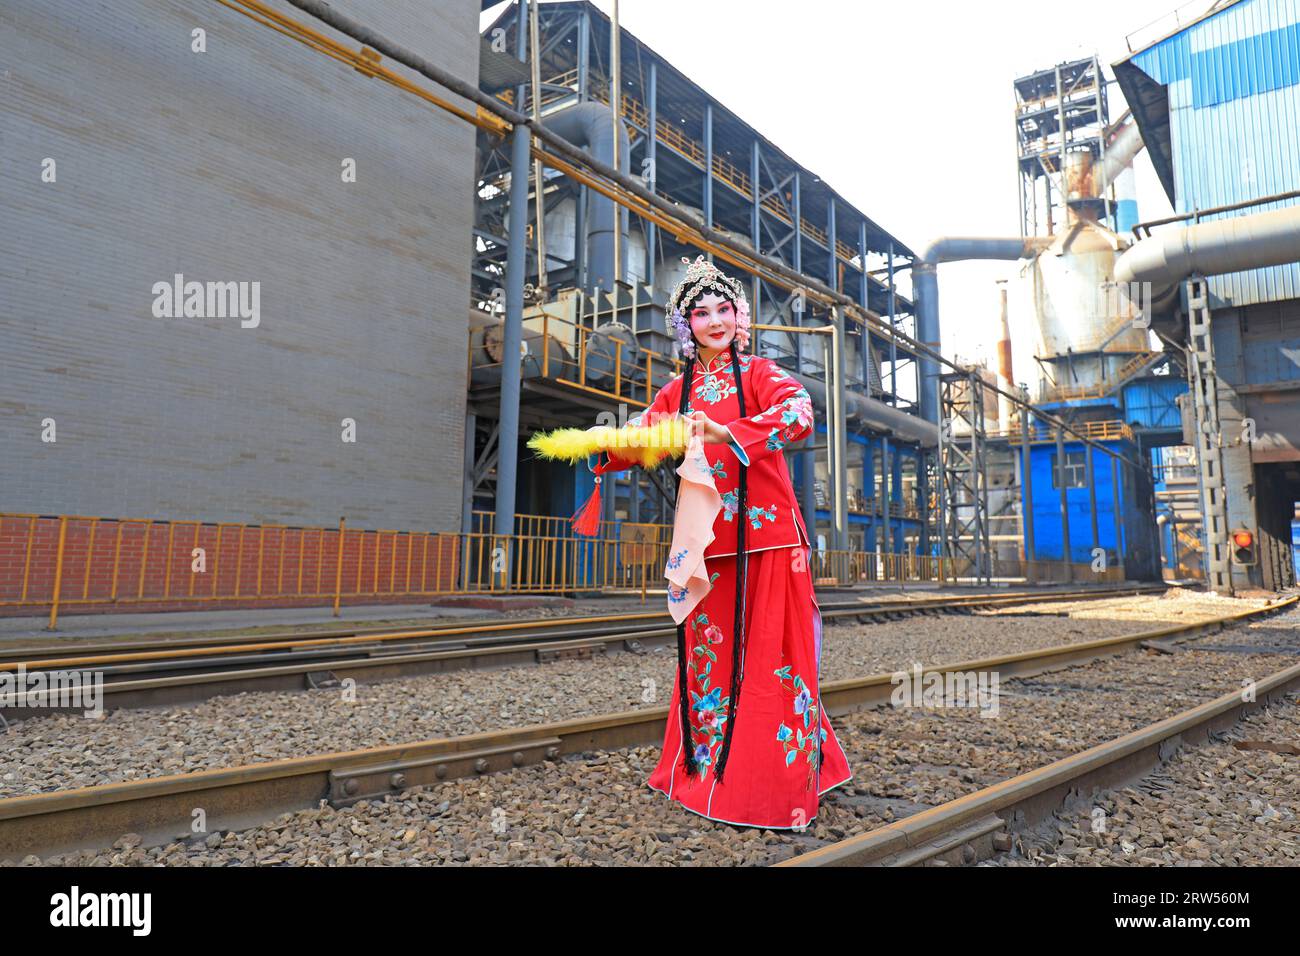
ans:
(138, 566)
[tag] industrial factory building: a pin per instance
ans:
(395, 263)
(594, 335)
(1218, 106)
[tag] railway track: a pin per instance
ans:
(159, 809)
(977, 825)
(154, 673)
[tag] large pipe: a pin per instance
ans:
(877, 414)
(1120, 153)
(591, 125)
(1261, 239)
(925, 285)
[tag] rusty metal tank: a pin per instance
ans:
(1085, 327)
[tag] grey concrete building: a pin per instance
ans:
(128, 158)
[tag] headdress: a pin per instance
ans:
(704, 276)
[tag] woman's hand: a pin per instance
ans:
(709, 431)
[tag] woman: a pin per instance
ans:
(747, 742)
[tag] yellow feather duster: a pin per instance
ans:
(645, 444)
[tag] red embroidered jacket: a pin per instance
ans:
(779, 411)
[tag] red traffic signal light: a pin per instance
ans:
(1243, 547)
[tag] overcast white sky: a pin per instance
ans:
(905, 109)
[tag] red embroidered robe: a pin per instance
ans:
(784, 753)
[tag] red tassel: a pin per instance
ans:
(587, 519)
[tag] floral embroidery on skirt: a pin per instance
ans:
(784, 752)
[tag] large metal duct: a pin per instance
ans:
(1210, 248)
(1120, 153)
(591, 126)
(925, 286)
(877, 414)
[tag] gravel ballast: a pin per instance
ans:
(68, 751)
(595, 809)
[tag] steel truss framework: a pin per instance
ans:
(714, 162)
(693, 151)
(1058, 110)
(963, 473)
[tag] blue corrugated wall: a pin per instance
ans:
(1234, 101)
(1149, 403)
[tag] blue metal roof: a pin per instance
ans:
(1231, 102)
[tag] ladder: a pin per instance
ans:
(1204, 385)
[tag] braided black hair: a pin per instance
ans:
(683, 694)
(737, 655)
(742, 567)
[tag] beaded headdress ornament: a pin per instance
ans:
(704, 276)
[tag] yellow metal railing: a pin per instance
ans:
(846, 568)
(1039, 572)
(53, 562)
(897, 509)
(1060, 393)
(1111, 430)
(629, 375)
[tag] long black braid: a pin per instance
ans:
(688, 744)
(737, 657)
(742, 566)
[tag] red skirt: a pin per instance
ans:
(784, 754)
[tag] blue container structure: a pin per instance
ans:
(1131, 540)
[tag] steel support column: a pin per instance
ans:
(839, 435)
(516, 268)
(1092, 497)
(1027, 491)
(1115, 475)
(963, 475)
(652, 177)
(1064, 502)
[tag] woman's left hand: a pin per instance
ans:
(709, 431)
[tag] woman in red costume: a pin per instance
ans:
(747, 741)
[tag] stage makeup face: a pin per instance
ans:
(713, 320)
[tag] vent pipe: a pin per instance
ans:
(591, 126)
(925, 286)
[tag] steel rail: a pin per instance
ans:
(962, 830)
(30, 657)
(160, 809)
(154, 683)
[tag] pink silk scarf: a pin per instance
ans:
(698, 504)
